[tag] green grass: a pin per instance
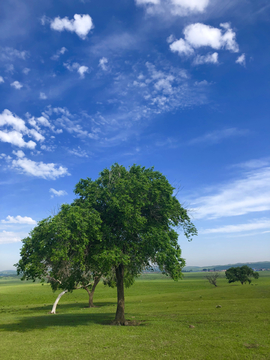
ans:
(239, 329)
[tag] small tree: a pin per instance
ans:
(242, 274)
(212, 278)
(62, 250)
(138, 213)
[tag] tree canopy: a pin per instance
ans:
(242, 274)
(139, 215)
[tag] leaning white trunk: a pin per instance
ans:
(57, 300)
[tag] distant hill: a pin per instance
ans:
(8, 273)
(253, 265)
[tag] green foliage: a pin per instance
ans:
(242, 274)
(60, 249)
(138, 215)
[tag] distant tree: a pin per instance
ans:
(138, 213)
(242, 274)
(63, 250)
(212, 278)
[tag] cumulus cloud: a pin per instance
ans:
(200, 35)
(19, 220)
(82, 70)
(250, 193)
(182, 47)
(39, 169)
(15, 137)
(81, 24)
(241, 60)
(103, 64)
(17, 85)
(1, 80)
(57, 193)
(206, 59)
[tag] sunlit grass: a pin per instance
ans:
(165, 310)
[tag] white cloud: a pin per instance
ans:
(82, 70)
(17, 85)
(19, 220)
(19, 153)
(81, 25)
(16, 138)
(102, 63)
(182, 47)
(198, 35)
(251, 193)
(206, 59)
(57, 193)
(1, 80)
(8, 237)
(254, 225)
(174, 7)
(39, 169)
(78, 152)
(42, 96)
(241, 60)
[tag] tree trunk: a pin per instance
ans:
(120, 312)
(91, 293)
(56, 301)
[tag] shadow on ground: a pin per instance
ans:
(70, 306)
(46, 321)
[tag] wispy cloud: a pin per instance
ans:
(8, 237)
(250, 193)
(251, 226)
(173, 7)
(217, 136)
(57, 192)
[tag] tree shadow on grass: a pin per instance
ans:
(46, 321)
(69, 306)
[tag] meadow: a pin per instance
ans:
(188, 319)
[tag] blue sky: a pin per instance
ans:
(181, 85)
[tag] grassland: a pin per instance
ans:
(239, 329)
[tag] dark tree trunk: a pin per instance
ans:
(91, 293)
(120, 312)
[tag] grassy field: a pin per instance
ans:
(178, 320)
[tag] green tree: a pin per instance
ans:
(63, 250)
(242, 274)
(139, 214)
